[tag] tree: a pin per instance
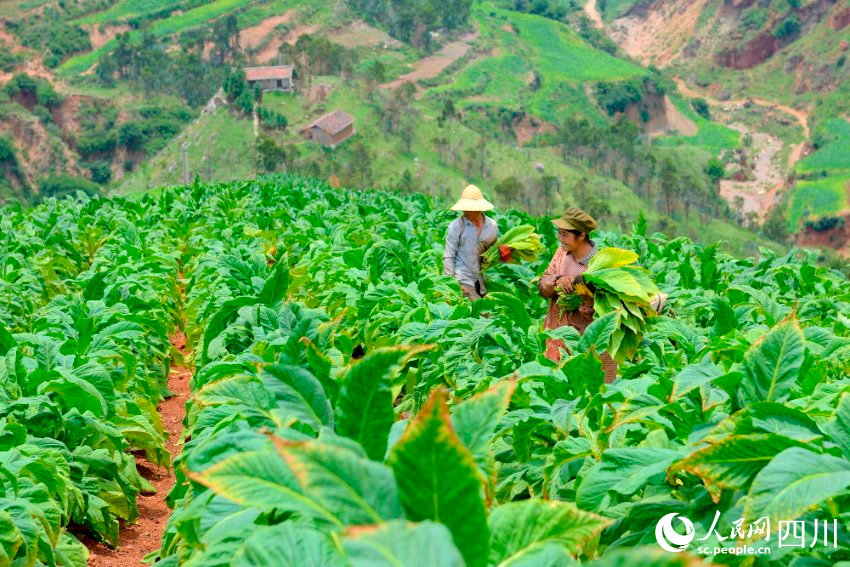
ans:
(714, 169)
(700, 106)
(269, 155)
(510, 188)
(668, 180)
(359, 167)
(130, 136)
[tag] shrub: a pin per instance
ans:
(701, 107)
(101, 171)
(714, 169)
(617, 96)
(58, 185)
(789, 26)
(131, 136)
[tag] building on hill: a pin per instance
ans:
(274, 78)
(330, 129)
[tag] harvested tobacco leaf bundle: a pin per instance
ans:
(524, 243)
(616, 283)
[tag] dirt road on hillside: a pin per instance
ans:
(593, 13)
(761, 194)
(431, 66)
(801, 116)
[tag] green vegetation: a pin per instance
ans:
(50, 35)
(136, 11)
(711, 136)
(815, 198)
(613, 9)
(412, 22)
(84, 324)
(219, 146)
(160, 28)
(62, 185)
(340, 379)
(832, 149)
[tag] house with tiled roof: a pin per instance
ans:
(272, 78)
(330, 129)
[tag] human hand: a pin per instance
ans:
(565, 283)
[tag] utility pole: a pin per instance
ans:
(185, 149)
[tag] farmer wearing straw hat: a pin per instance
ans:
(567, 265)
(469, 236)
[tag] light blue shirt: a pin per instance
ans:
(464, 246)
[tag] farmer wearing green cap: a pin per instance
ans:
(469, 236)
(567, 265)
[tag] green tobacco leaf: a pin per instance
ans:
(402, 544)
(274, 290)
(321, 366)
(838, 428)
(585, 373)
(287, 545)
(773, 364)
(220, 321)
(632, 281)
(519, 530)
(625, 471)
(733, 462)
(795, 481)
(7, 341)
(725, 319)
(475, 422)
(70, 552)
(10, 538)
(263, 479)
(364, 410)
(438, 479)
(611, 258)
(635, 409)
(299, 396)
(771, 417)
(693, 376)
(648, 555)
(599, 332)
(354, 489)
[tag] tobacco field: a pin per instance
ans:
(348, 406)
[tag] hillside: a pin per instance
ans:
(492, 105)
(787, 58)
(276, 369)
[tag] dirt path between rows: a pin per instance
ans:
(592, 13)
(145, 535)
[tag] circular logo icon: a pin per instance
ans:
(667, 537)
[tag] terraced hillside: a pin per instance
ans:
(495, 102)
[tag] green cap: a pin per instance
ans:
(576, 219)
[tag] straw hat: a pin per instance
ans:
(472, 200)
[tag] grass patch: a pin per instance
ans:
(161, 28)
(561, 60)
(221, 148)
(834, 155)
(127, 10)
(818, 198)
(711, 136)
